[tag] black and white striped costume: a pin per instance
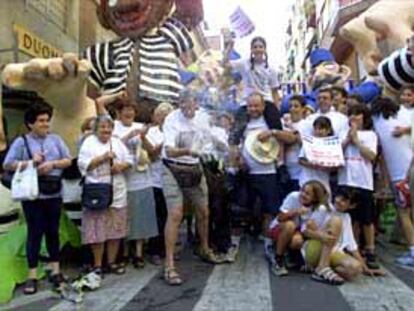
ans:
(397, 70)
(158, 63)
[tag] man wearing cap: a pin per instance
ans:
(183, 180)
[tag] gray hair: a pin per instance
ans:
(187, 94)
(100, 119)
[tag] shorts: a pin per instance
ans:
(178, 197)
(312, 254)
(265, 187)
(364, 211)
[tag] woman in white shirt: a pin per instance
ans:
(100, 157)
(142, 219)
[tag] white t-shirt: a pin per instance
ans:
(347, 240)
(292, 153)
(290, 203)
(180, 132)
(255, 167)
(136, 180)
(396, 150)
(156, 137)
(91, 148)
(320, 217)
(260, 79)
(358, 171)
(308, 174)
(339, 122)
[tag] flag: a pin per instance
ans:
(240, 23)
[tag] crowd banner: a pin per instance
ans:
(241, 24)
(323, 151)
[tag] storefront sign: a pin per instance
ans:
(31, 44)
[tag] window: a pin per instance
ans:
(54, 11)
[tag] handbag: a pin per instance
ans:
(186, 175)
(24, 185)
(7, 176)
(97, 196)
(50, 184)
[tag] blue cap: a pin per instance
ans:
(368, 90)
(186, 76)
(318, 56)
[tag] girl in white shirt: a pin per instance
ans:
(322, 127)
(294, 213)
(360, 151)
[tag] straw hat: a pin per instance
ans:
(263, 152)
(143, 159)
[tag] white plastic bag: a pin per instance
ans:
(24, 185)
(72, 191)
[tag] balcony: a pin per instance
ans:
(340, 12)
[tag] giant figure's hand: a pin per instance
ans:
(61, 82)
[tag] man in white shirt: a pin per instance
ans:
(183, 180)
(339, 121)
(262, 179)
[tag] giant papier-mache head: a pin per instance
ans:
(133, 18)
(326, 71)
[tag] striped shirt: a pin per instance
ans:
(158, 62)
(397, 70)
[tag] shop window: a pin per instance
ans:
(54, 11)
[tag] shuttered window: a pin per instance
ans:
(56, 11)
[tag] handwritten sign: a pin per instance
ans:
(241, 24)
(324, 151)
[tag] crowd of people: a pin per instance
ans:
(216, 166)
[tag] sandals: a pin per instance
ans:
(138, 262)
(172, 277)
(116, 269)
(208, 256)
(57, 281)
(327, 276)
(30, 287)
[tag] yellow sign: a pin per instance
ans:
(31, 44)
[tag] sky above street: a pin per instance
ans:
(269, 16)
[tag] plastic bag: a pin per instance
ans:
(24, 183)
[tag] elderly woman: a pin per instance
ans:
(50, 155)
(104, 159)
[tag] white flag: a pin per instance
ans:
(241, 24)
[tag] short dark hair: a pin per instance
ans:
(344, 193)
(356, 97)
(298, 98)
(323, 123)
(341, 90)
(38, 108)
(384, 106)
(326, 90)
(366, 113)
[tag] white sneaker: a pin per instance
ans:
(90, 281)
(405, 260)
